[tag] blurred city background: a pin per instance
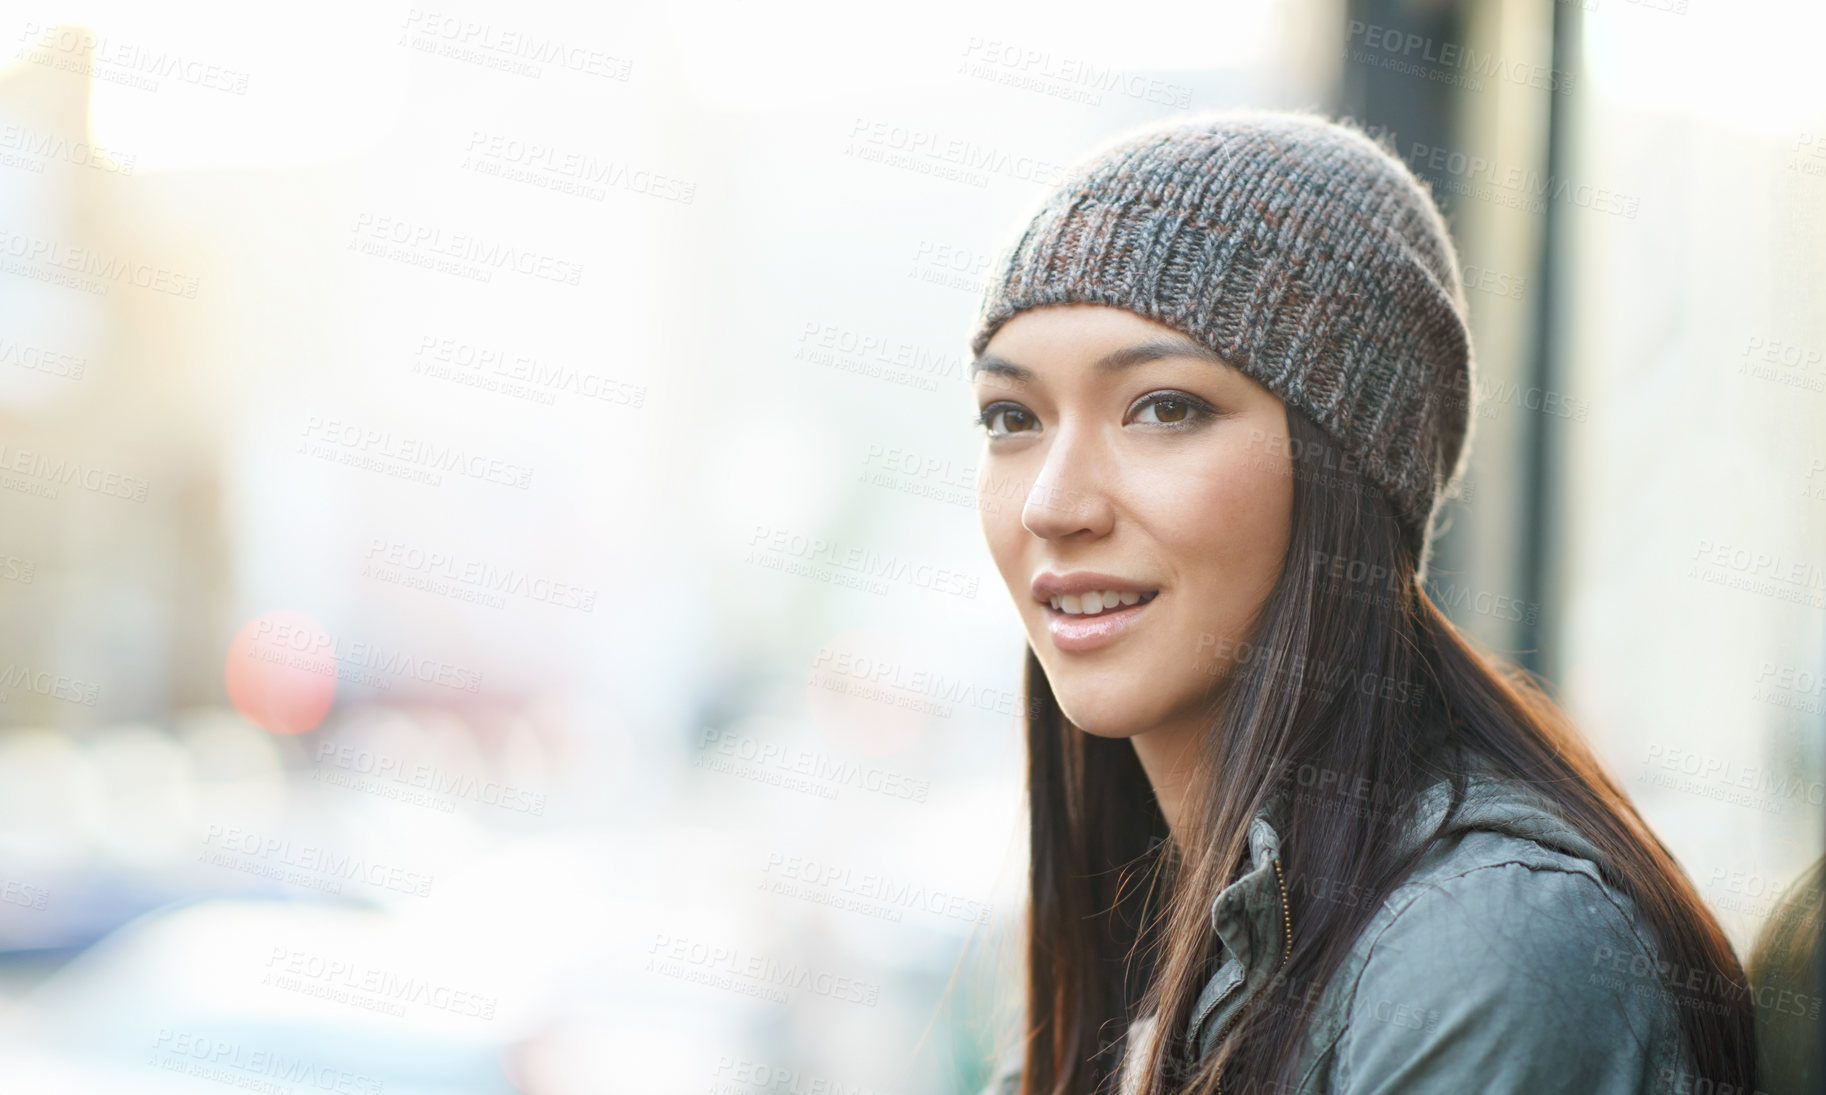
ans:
(493, 599)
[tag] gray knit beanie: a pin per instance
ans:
(1297, 249)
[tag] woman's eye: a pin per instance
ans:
(1009, 417)
(1170, 409)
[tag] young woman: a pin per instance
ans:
(1290, 832)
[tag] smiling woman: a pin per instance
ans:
(1122, 420)
(1290, 831)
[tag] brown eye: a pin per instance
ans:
(1009, 417)
(1172, 409)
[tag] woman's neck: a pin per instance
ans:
(1168, 755)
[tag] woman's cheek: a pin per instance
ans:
(1213, 507)
(1227, 534)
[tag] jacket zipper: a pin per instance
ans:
(1286, 949)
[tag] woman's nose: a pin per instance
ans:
(1068, 496)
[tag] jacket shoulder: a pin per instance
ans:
(1495, 966)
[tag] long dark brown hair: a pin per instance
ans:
(1351, 670)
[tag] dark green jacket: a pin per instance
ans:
(1502, 964)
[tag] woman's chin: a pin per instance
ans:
(1103, 719)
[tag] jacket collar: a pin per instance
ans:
(1247, 915)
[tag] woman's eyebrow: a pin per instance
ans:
(1114, 361)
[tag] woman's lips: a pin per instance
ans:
(1074, 633)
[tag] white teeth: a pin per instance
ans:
(1090, 604)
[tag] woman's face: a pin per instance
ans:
(1120, 456)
